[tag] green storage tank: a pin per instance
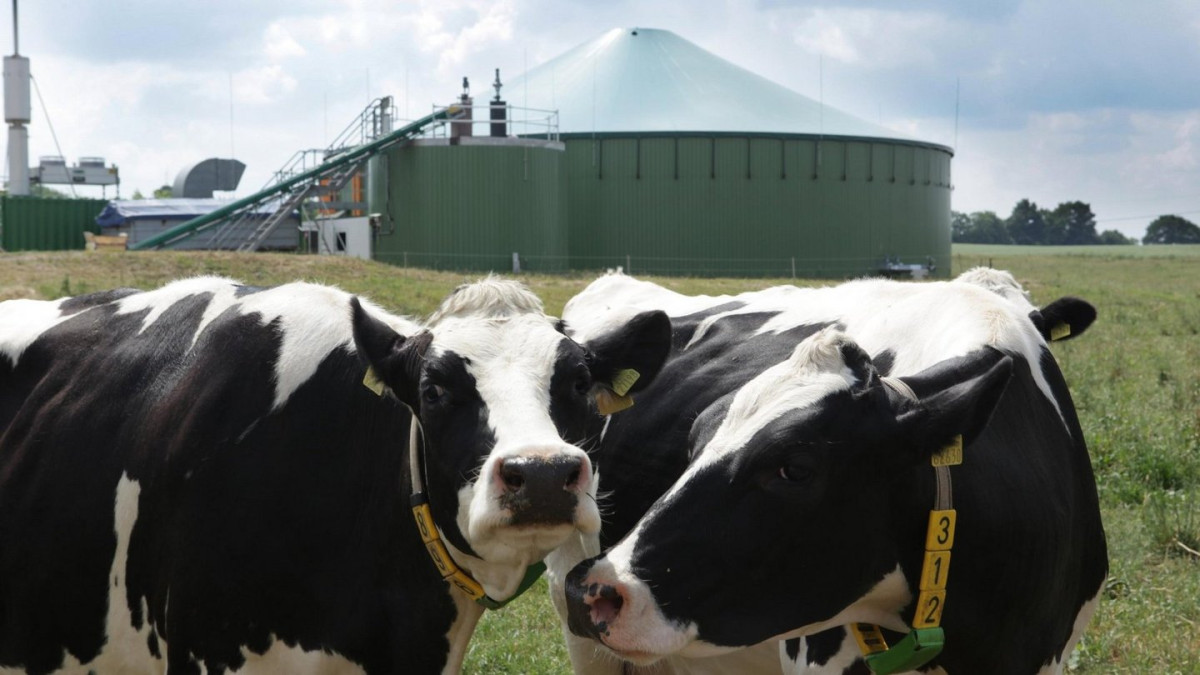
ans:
(471, 203)
(678, 162)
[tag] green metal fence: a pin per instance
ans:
(36, 224)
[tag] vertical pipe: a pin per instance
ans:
(18, 159)
(676, 158)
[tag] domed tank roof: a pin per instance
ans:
(638, 80)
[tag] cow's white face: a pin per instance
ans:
(505, 401)
(782, 524)
(522, 389)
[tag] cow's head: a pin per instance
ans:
(784, 521)
(505, 400)
(1065, 318)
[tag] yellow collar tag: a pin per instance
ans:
(608, 402)
(371, 381)
(926, 638)
(624, 381)
(441, 557)
(951, 455)
(455, 575)
(1060, 331)
(869, 638)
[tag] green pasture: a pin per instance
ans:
(1135, 377)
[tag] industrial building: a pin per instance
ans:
(637, 149)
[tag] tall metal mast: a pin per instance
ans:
(17, 114)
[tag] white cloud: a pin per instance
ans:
(823, 35)
(872, 39)
(262, 85)
(279, 43)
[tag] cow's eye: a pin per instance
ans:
(434, 393)
(795, 473)
(583, 384)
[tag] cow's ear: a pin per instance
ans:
(395, 360)
(1064, 318)
(955, 398)
(640, 346)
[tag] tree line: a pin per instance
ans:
(1070, 223)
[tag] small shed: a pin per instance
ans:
(140, 219)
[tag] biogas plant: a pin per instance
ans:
(637, 149)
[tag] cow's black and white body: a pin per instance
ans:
(196, 479)
(747, 370)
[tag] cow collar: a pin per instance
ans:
(438, 553)
(926, 639)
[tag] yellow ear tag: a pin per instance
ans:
(371, 381)
(608, 402)
(951, 455)
(870, 639)
(1060, 331)
(624, 381)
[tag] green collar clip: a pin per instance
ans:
(915, 650)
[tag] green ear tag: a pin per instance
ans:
(1060, 331)
(624, 380)
(371, 381)
(915, 650)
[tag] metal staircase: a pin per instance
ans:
(336, 182)
(251, 220)
(260, 224)
(337, 179)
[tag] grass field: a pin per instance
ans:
(1133, 251)
(1135, 378)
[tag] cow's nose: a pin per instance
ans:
(592, 606)
(538, 474)
(540, 489)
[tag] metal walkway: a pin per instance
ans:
(293, 185)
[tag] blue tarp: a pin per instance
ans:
(120, 212)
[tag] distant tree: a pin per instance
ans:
(960, 226)
(1071, 224)
(1172, 230)
(1026, 225)
(164, 192)
(1115, 238)
(981, 227)
(1055, 233)
(137, 194)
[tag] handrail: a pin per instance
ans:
(361, 152)
(531, 122)
(374, 112)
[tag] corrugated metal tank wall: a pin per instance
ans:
(471, 206)
(743, 206)
(36, 224)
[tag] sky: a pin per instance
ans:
(1050, 100)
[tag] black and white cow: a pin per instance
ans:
(726, 557)
(196, 479)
